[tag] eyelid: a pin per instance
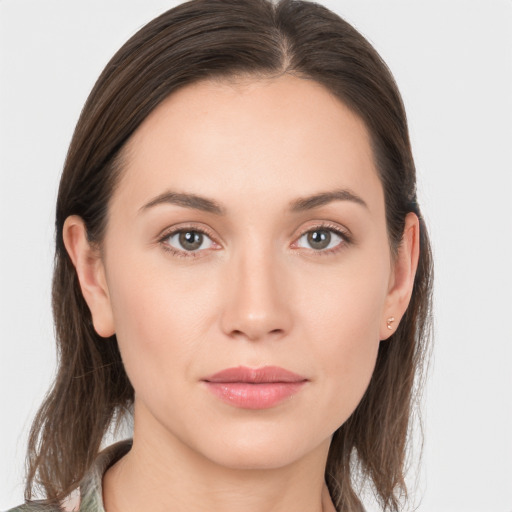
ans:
(328, 225)
(175, 229)
(344, 233)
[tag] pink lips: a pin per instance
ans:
(254, 388)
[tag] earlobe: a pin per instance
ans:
(404, 272)
(91, 274)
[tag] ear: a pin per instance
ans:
(401, 282)
(91, 274)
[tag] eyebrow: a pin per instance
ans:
(301, 204)
(187, 201)
(321, 199)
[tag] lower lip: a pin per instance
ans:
(254, 396)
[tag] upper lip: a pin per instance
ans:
(266, 374)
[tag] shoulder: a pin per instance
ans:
(90, 491)
(35, 506)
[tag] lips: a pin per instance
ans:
(254, 388)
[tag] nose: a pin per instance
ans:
(257, 304)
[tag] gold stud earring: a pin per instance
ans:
(390, 320)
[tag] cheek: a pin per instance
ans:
(344, 323)
(159, 321)
(348, 302)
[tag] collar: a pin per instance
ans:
(90, 496)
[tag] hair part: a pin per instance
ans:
(229, 40)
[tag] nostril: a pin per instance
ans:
(254, 334)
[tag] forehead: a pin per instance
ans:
(276, 138)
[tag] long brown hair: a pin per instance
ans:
(198, 40)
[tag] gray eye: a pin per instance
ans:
(320, 239)
(189, 240)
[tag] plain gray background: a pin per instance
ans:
(452, 60)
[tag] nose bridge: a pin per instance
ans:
(256, 305)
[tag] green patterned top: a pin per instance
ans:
(91, 494)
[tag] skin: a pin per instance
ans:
(255, 293)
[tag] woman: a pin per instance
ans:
(242, 264)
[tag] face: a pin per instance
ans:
(247, 271)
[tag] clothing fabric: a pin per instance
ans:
(90, 497)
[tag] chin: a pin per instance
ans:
(253, 449)
(256, 458)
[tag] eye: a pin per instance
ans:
(322, 239)
(187, 240)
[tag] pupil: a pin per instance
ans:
(191, 240)
(319, 239)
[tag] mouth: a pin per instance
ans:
(254, 388)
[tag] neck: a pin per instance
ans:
(162, 476)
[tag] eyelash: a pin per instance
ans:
(346, 240)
